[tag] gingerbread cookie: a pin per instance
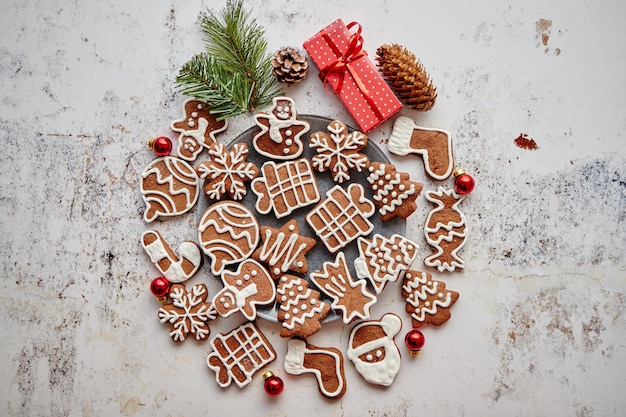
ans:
(300, 309)
(350, 297)
(382, 259)
(284, 249)
(197, 129)
(445, 230)
(281, 131)
(239, 354)
(244, 289)
(227, 171)
(228, 233)
(325, 363)
(169, 187)
(338, 151)
(188, 313)
(394, 192)
(342, 216)
(434, 145)
(285, 187)
(427, 301)
(175, 267)
(372, 350)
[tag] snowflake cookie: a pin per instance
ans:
(227, 171)
(281, 131)
(188, 313)
(394, 192)
(197, 129)
(338, 151)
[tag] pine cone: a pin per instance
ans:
(406, 76)
(290, 65)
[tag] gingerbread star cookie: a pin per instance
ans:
(281, 131)
(197, 129)
(284, 249)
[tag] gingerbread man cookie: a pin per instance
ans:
(197, 129)
(281, 131)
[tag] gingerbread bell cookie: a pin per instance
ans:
(372, 349)
(281, 131)
(227, 172)
(197, 128)
(325, 363)
(169, 187)
(445, 230)
(176, 267)
(434, 145)
(394, 193)
(338, 151)
(239, 354)
(427, 300)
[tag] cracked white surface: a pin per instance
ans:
(539, 327)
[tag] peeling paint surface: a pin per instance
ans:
(539, 328)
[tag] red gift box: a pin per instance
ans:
(345, 68)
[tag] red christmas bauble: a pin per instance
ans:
(160, 287)
(414, 340)
(273, 385)
(463, 183)
(161, 146)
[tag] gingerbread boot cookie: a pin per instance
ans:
(434, 145)
(325, 363)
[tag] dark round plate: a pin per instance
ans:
(319, 254)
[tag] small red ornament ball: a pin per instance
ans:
(160, 287)
(414, 340)
(273, 385)
(161, 146)
(463, 183)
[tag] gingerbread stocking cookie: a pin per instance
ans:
(197, 129)
(281, 131)
(175, 267)
(325, 363)
(434, 145)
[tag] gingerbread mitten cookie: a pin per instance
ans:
(197, 129)
(434, 145)
(373, 351)
(325, 363)
(281, 131)
(445, 230)
(350, 297)
(175, 267)
(427, 301)
(300, 308)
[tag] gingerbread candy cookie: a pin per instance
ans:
(325, 363)
(284, 249)
(175, 267)
(244, 289)
(445, 230)
(350, 297)
(300, 310)
(394, 192)
(434, 145)
(285, 187)
(188, 313)
(226, 172)
(382, 259)
(338, 151)
(427, 301)
(197, 129)
(372, 349)
(239, 354)
(169, 187)
(281, 131)
(228, 233)
(342, 216)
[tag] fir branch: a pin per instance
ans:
(234, 75)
